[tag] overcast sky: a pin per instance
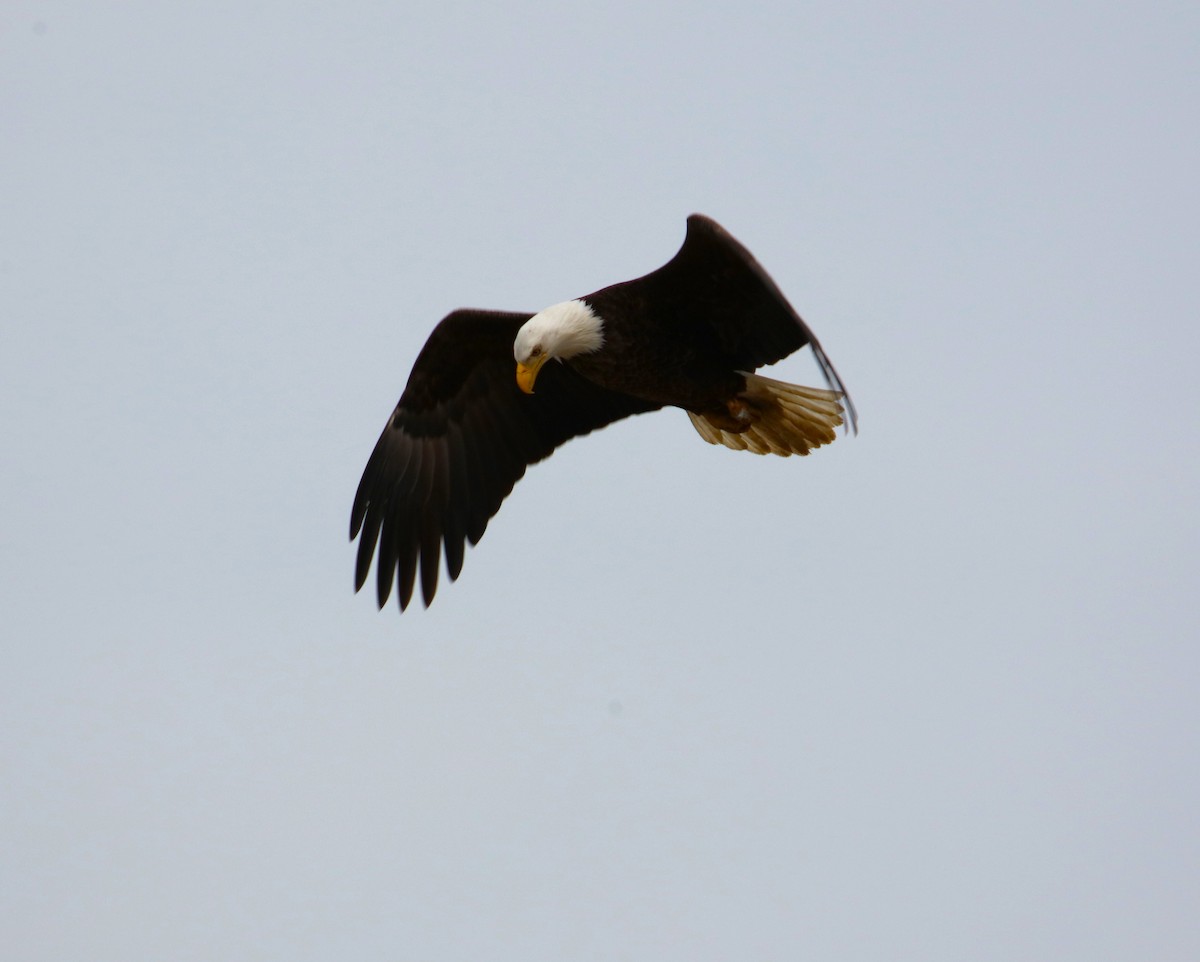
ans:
(929, 694)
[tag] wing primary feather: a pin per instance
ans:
(835, 382)
(481, 469)
(479, 474)
(407, 573)
(368, 536)
(392, 510)
(366, 552)
(403, 571)
(359, 511)
(457, 500)
(391, 450)
(431, 519)
(366, 486)
(408, 535)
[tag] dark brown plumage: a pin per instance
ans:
(463, 433)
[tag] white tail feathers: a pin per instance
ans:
(787, 418)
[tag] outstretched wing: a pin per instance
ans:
(714, 284)
(460, 438)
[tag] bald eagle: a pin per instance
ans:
(469, 422)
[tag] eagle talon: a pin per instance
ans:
(738, 416)
(741, 410)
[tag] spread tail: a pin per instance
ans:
(783, 418)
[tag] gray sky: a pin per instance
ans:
(928, 694)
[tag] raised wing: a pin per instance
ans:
(714, 284)
(460, 438)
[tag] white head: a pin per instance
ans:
(562, 331)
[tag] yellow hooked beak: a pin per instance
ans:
(527, 374)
